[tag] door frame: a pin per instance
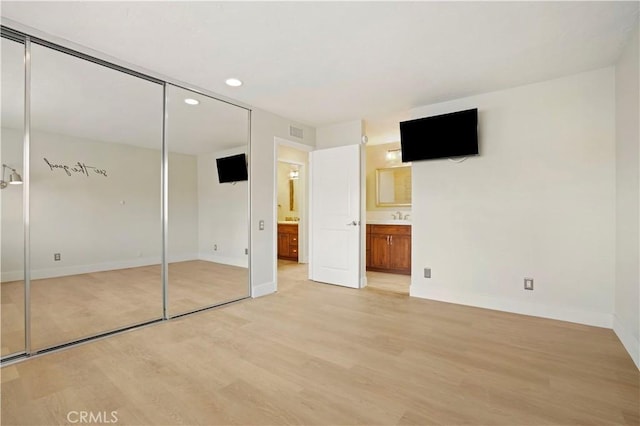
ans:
(302, 239)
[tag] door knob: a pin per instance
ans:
(353, 223)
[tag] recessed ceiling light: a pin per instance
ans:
(233, 82)
(191, 101)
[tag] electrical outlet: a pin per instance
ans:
(215, 247)
(528, 283)
(261, 225)
(56, 257)
(427, 272)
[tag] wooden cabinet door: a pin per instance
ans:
(368, 253)
(389, 248)
(379, 251)
(283, 245)
(400, 252)
(293, 252)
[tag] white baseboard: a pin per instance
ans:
(561, 313)
(243, 262)
(263, 289)
(183, 257)
(64, 271)
(7, 276)
(629, 341)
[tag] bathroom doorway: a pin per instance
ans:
(388, 229)
(291, 211)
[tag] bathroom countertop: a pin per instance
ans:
(389, 222)
(288, 222)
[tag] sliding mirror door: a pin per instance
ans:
(95, 199)
(12, 199)
(208, 210)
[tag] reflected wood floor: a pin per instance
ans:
(76, 306)
(327, 355)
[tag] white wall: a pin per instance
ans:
(223, 213)
(539, 201)
(95, 222)
(98, 223)
(340, 134)
(627, 295)
(265, 126)
(183, 207)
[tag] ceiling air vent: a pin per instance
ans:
(296, 132)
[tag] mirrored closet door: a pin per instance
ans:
(208, 209)
(124, 199)
(12, 199)
(95, 198)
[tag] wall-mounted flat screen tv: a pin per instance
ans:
(441, 136)
(232, 169)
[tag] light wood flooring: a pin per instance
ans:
(326, 355)
(72, 307)
(394, 283)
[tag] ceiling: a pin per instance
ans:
(326, 62)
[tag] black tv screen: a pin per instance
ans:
(440, 136)
(232, 169)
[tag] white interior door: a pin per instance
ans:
(335, 216)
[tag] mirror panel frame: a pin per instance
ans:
(24, 205)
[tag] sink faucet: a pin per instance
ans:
(399, 215)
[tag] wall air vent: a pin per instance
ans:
(296, 132)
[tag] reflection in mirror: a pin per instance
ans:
(11, 199)
(393, 186)
(208, 236)
(95, 190)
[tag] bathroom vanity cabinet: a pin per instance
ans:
(389, 248)
(288, 241)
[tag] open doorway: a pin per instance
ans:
(388, 213)
(291, 211)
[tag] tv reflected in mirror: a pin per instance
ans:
(232, 169)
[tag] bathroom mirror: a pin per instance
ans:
(393, 187)
(208, 201)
